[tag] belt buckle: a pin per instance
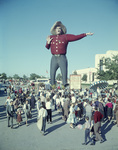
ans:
(57, 55)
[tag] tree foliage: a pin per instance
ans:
(10, 77)
(16, 76)
(33, 76)
(25, 77)
(42, 85)
(84, 78)
(59, 77)
(75, 72)
(3, 76)
(111, 69)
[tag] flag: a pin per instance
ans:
(46, 71)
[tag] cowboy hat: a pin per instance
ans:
(58, 23)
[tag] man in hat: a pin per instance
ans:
(58, 42)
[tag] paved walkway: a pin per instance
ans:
(58, 137)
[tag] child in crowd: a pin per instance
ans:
(87, 131)
(19, 117)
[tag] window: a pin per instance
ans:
(101, 64)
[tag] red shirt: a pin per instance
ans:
(59, 43)
(109, 105)
(97, 116)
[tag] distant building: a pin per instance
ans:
(91, 72)
(99, 58)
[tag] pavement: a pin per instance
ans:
(59, 136)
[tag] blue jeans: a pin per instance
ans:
(56, 62)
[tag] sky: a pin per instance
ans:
(25, 24)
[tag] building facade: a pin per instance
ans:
(89, 72)
(92, 72)
(99, 58)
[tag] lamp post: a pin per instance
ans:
(90, 73)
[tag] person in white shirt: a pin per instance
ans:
(72, 92)
(27, 111)
(89, 110)
(73, 98)
(49, 110)
(62, 100)
(8, 101)
(54, 98)
(8, 91)
(43, 114)
(84, 107)
(98, 92)
(57, 102)
(43, 99)
(38, 103)
(48, 94)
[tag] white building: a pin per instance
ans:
(99, 58)
(91, 72)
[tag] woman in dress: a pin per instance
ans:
(42, 116)
(19, 117)
(72, 118)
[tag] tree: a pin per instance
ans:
(3, 76)
(25, 78)
(59, 77)
(111, 69)
(33, 76)
(9, 77)
(41, 84)
(16, 76)
(84, 78)
(75, 72)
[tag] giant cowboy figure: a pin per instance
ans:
(58, 42)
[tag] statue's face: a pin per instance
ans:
(58, 30)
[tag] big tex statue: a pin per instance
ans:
(58, 43)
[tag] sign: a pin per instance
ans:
(75, 81)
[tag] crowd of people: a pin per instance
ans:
(75, 107)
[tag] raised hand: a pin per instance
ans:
(89, 33)
(49, 39)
